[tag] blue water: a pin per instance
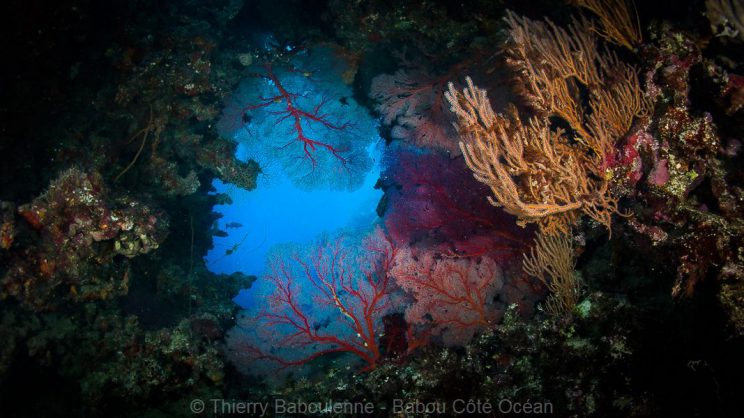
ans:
(295, 204)
(282, 212)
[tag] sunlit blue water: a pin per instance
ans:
(284, 213)
(289, 205)
(281, 212)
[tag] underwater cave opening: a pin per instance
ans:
(281, 212)
(319, 152)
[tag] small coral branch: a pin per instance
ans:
(552, 261)
(618, 24)
(154, 126)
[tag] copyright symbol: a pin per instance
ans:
(197, 406)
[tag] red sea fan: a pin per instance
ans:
(434, 201)
(330, 300)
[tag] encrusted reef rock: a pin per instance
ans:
(688, 195)
(73, 234)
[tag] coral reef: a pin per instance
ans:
(117, 119)
(726, 17)
(694, 187)
(517, 362)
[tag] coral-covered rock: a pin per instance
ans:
(7, 224)
(689, 202)
(80, 229)
(219, 157)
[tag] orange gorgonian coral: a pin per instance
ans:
(539, 172)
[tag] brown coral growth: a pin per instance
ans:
(536, 171)
(617, 24)
(552, 261)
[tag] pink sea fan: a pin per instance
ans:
(411, 102)
(453, 297)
